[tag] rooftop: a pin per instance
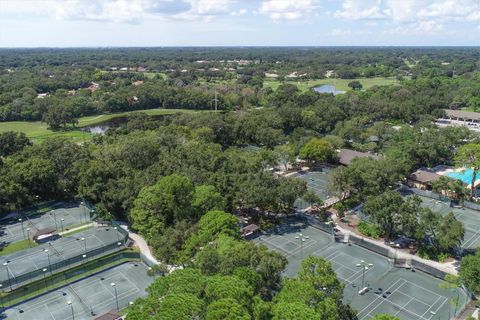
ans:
(424, 175)
(462, 114)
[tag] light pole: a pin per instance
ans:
(61, 223)
(71, 306)
(5, 264)
(302, 239)
(116, 296)
(116, 231)
(84, 210)
(49, 264)
(23, 230)
(84, 256)
(52, 212)
(332, 226)
(45, 277)
(365, 266)
(85, 243)
(28, 236)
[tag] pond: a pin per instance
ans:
(327, 88)
(102, 127)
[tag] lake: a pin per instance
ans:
(327, 88)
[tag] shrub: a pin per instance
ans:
(369, 229)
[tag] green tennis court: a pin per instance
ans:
(88, 298)
(470, 219)
(317, 182)
(60, 216)
(409, 294)
(26, 265)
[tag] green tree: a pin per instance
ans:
(226, 309)
(385, 210)
(12, 142)
(317, 151)
(355, 85)
(286, 155)
(211, 226)
(293, 311)
(162, 204)
(468, 156)
(469, 272)
(452, 283)
(206, 198)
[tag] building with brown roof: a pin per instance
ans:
(422, 179)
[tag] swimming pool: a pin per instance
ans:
(465, 176)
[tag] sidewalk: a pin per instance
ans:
(142, 245)
(448, 267)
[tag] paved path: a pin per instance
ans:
(448, 267)
(142, 245)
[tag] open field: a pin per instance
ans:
(92, 120)
(407, 294)
(149, 75)
(341, 84)
(39, 131)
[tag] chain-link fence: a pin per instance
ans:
(49, 283)
(82, 257)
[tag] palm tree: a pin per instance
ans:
(468, 156)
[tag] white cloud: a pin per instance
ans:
(238, 13)
(362, 9)
(287, 9)
(421, 28)
(441, 10)
(340, 32)
(123, 11)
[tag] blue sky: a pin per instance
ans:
(79, 23)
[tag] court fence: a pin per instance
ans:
(439, 197)
(371, 246)
(81, 258)
(47, 284)
(381, 250)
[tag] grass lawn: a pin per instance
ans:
(341, 84)
(38, 131)
(17, 246)
(92, 120)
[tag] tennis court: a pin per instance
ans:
(317, 182)
(60, 216)
(470, 219)
(406, 293)
(90, 297)
(22, 265)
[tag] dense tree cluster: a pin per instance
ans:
(232, 279)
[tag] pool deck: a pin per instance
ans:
(446, 171)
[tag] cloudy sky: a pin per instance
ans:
(79, 23)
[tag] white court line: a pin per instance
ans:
(405, 282)
(331, 257)
(472, 239)
(288, 252)
(431, 306)
(402, 308)
(379, 297)
(413, 284)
